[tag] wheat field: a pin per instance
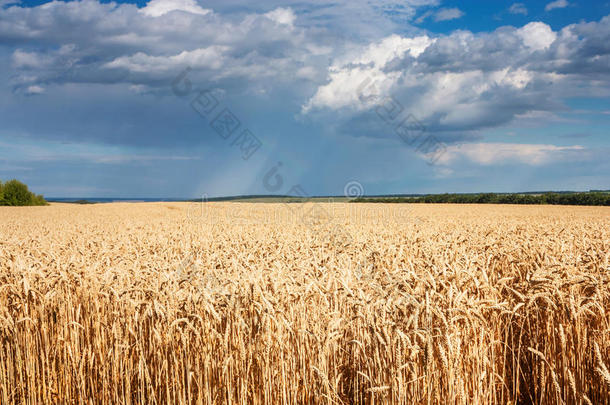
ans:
(237, 303)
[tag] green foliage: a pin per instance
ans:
(592, 198)
(15, 193)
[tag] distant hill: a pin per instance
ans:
(271, 198)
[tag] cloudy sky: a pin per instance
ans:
(177, 98)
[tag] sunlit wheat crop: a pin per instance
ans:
(152, 304)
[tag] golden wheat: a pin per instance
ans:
(158, 303)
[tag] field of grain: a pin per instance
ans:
(159, 303)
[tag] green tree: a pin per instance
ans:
(15, 193)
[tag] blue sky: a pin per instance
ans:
(503, 95)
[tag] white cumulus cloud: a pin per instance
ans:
(446, 14)
(442, 14)
(556, 4)
(518, 8)
(157, 8)
(33, 90)
(365, 67)
(498, 153)
(282, 16)
(537, 35)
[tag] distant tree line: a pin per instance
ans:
(591, 198)
(15, 193)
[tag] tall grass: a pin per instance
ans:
(135, 304)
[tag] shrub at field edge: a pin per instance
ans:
(15, 193)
